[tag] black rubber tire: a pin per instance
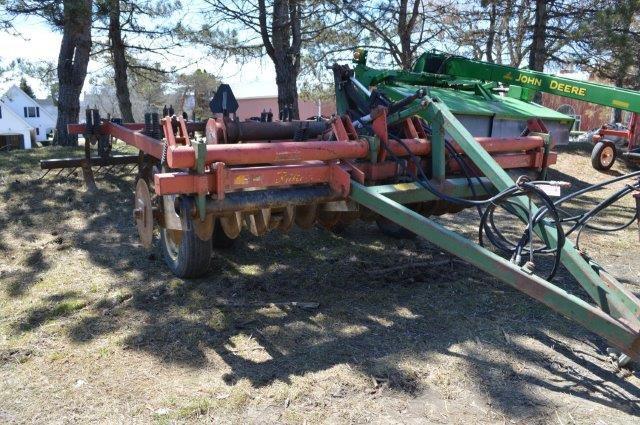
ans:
(393, 230)
(634, 163)
(597, 160)
(220, 240)
(190, 258)
(340, 227)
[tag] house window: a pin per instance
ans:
(31, 111)
(37, 131)
(0, 112)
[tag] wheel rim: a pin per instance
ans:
(143, 213)
(172, 240)
(607, 156)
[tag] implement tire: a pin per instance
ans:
(393, 230)
(185, 253)
(220, 240)
(603, 155)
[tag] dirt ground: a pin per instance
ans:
(95, 328)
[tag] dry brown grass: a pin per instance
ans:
(94, 328)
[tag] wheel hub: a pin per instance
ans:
(606, 156)
(143, 213)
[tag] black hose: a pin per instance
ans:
(524, 187)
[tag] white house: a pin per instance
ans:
(48, 105)
(15, 132)
(30, 111)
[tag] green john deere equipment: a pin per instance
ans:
(524, 84)
(459, 104)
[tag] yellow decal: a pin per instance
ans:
(507, 76)
(567, 88)
(240, 180)
(525, 79)
(404, 186)
(620, 104)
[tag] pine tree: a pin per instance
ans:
(394, 32)
(281, 28)
(25, 87)
(127, 30)
(73, 18)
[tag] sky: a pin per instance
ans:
(37, 42)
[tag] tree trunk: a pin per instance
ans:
(404, 35)
(119, 62)
(286, 80)
(406, 24)
(619, 82)
(284, 49)
(491, 32)
(538, 53)
(72, 66)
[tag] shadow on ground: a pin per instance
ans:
(365, 319)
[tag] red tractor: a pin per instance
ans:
(605, 148)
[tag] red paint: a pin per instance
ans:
(145, 143)
(262, 164)
(222, 179)
(269, 153)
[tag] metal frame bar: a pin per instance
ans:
(221, 179)
(51, 164)
(614, 97)
(611, 295)
(215, 180)
(592, 318)
(406, 193)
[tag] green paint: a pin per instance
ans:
(407, 193)
(200, 149)
(374, 147)
(438, 160)
(402, 115)
(462, 102)
(531, 81)
(463, 97)
(612, 298)
(453, 94)
(566, 304)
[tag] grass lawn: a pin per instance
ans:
(95, 328)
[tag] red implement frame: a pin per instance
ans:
(631, 135)
(285, 163)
